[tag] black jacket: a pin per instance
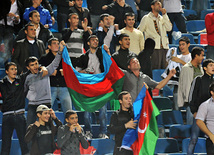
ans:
(55, 81)
(21, 53)
(95, 6)
(62, 6)
(44, 34)
(13, 94)
(83, 60)
(117, 124)
(199, 91)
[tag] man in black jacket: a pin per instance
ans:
(122, 120)
(199, 92)
(42, 33)
(13, 108)
(30, 46)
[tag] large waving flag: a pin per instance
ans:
(90, 92)
(142, 140)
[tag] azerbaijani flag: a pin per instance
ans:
(90, 92)
(142, 140)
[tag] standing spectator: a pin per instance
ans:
(175, 13)
(209, 23)
(45, 17)
(155, 26)
(118, 9)
(136, 36)
(71, 135)
(92, 61)
(42, 33)
(188, 72)
(199, 5)
(42, 132)
(13, 108)
(95, 8)
(82, 13)
(122, 56)
(37, 84)
(199, 93)
(9, 19)
(62, 12)
(107, 21)
(204, 120)
(75, 38)
(30, 46)
(144, 6)
(57, 81)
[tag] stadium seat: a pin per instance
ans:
(2, 73)
(195, 25)
(205, 12)
(166, 145)
(15, 147)
(109, 113)
(0, 131)
(190, 36)
(15, 135)
(193, 45)
(180, 131)
(95, 130)
(189, 12)
(103, 146)
(54, 27)
(199, 148)
(202, 39)
(60, 116)
(170, 118)
(163, 103)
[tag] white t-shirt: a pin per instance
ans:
(185, 58)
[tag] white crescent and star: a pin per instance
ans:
(143, 130)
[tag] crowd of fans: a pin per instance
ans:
(136, 34)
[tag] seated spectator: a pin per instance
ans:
(37, 84)
(118, 9)
(58, 86)
(107, 21)
(45, 17)
(75, 39)
(136, 36)
(42, 132)
(30, 46)
(122, 56)
(71, 135)
(42, 33)
(82, 13)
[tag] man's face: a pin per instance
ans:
(134, 64)
(73, 119)
(125, 43)
(209, 69)
(129, 21)
(200, 57)
(44, 117)
(31, 32)
(93, 43)
(54, 47)
(106, 22)
(74, 20)
(35, 19)
(33, 67)
(157, 7)
(184, 47)
(12, 72)
(78, 3)
(126, 102)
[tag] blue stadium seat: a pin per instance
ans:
(166, 145)
(163, 103)
(189, 12)
(195, 25)
(0, 131)
(190, 36)
(95, 130)
(205, 12)
(2, 73)
(15, 135)
(15, 147)
(199, 148)
(103, 146)
(180, 131)
(60, 116)
(54, 27)
(170, 118)
(109, 113)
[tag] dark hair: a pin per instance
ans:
(39, 112)
(28, 24)
(206, 63)
(103, 16)
(32, 12)
(120, 96)
(71, 14)
(122, 36)
(129, 14)
(154, 1)
(196, 51)
(128, 62)
(185, 39)
(69, 113)
(7, 66)
(91, 36)
(30, 59)
(52, 39)
(211, 87)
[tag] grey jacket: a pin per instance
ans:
(38, 87)
(69, 141)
